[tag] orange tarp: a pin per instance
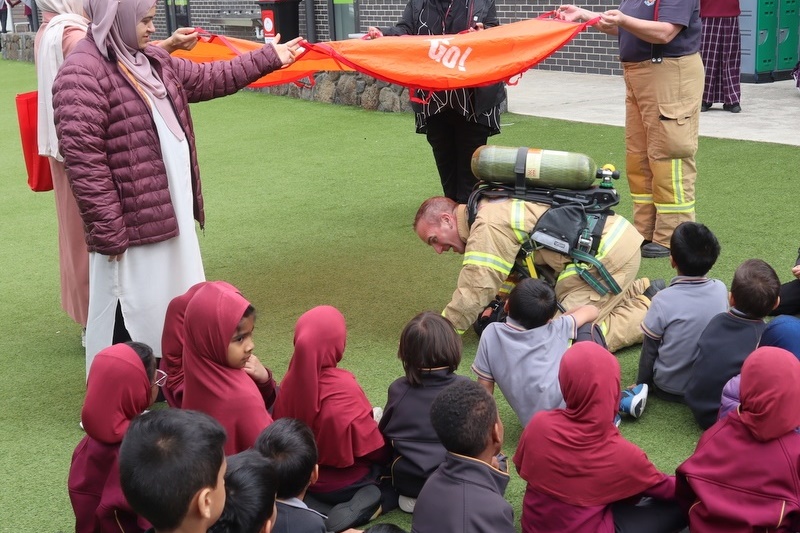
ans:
(430, 62)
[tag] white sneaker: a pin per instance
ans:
(377, 413)
(407, 504)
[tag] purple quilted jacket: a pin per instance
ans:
(110, 144)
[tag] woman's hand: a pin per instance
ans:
(572, 13)
(287, 52)
(613, 18)
(181, 39)
(374, 32)
(256, 370)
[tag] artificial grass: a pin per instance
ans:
(310, 204)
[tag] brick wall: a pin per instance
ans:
(590, 52)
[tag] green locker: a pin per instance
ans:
(788, 25)
(759, 28)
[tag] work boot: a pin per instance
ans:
(655, 286)
(654, 250)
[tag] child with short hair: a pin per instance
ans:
(466, 492)
(121, 384)
(352, 451)
(583, 476)
(172, 467)
(223, 378)
(781, 332)
(250, 488)
(430, 350)
(522, 354)
(730, 337)
(289, 444)
(679, 313)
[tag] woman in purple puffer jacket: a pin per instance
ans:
(125, 131)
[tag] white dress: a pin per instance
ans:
(147, 277)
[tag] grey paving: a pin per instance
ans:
(770, 111)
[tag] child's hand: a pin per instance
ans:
(256, 370)
(796, 271)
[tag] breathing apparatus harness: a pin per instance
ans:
(572, 226)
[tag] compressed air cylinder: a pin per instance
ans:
(543, 168)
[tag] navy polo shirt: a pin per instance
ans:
(685, 13)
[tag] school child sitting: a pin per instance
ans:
(289, 444)
(466, 492)
(583, 476)
(172, 340)
(352, 452)
(121, 384)
(522, 354)
(680, 313)
(730, 337)
(430, 350)
(172, 468)
(781, 332)
(250, 488)
(223, 378)
(743, 475)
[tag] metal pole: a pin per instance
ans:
(311, 30)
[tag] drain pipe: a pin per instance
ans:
(311, 29)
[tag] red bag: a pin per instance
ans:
(39, 177)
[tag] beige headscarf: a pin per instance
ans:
(114, 30)
(49, 57)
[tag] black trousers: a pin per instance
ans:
(591, 333)
(454, 139)
(648, 516)
(790, 299)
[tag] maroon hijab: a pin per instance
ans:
(336, 409)
(576, 455)
(172, 344)
(770, 393)
(117, 390)
(211, 386)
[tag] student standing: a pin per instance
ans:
(721, 50)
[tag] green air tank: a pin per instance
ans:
(543, 168)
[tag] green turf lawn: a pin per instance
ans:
(310, 204)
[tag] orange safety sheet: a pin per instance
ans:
(428, 62)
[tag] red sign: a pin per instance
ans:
(268, 21)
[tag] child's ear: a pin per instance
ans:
(672, 262)
(270, 523)
(497, 436)
(205, 503)
(314, 475)
(505, 306)
(731, 301)
(777, 303)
